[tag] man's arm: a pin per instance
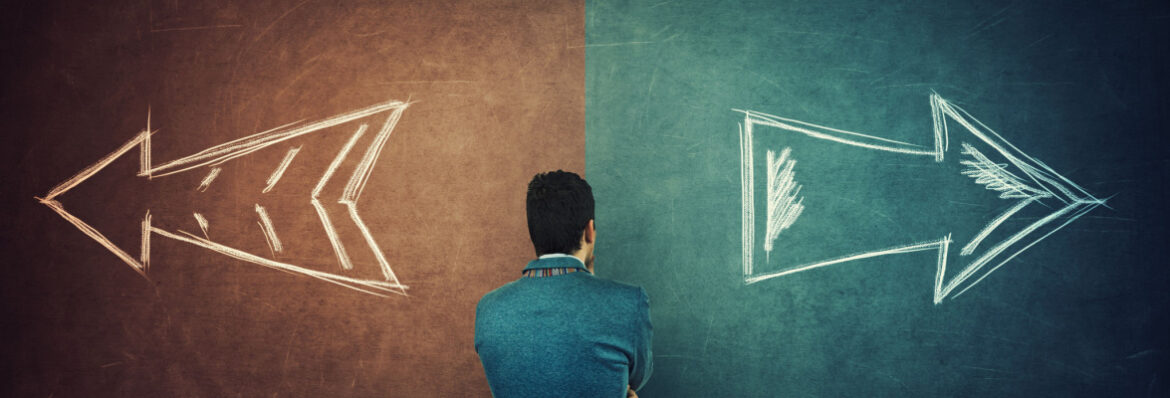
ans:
(643, 361)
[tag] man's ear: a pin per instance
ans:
(590, 232)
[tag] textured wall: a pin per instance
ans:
(494, 93)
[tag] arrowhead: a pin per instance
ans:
(137, 264)
(1004, 169)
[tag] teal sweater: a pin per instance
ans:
(570, 335)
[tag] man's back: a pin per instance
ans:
(568, 335)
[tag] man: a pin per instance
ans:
(559, 331)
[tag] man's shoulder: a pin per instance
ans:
(615, 287)
(591, 284)
(499, 292)
(617, 297)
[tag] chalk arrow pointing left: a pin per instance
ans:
(378, 119)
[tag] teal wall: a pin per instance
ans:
(1078, 86)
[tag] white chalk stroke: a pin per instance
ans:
(784, 206)
(269, 231)
(1035, 181)
(214, 159)
(211, 176)
(203, 224)
(279, 172)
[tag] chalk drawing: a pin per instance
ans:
(279, 172)
(338, 248)
(996, 176)
(783, 204)
(1038, 181)
(269, 231)
(357, 183)
(377, 288)
(144, 254)
(215, 157)
(203, 224)
(211, 175)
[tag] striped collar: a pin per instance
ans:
(554, 264)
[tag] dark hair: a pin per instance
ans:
(560, 205)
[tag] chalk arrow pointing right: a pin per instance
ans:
(982, 155)
(379, 120)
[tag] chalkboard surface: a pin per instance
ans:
(857, 198)
(821, 198)
(324, 192)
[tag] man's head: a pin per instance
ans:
(560, 215)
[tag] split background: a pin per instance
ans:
(640, 97)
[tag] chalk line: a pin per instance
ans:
(357, 183)
(376, 288)
(784, 206)
(144, 257)
(269, 231)
(202, 221)
(94, 168)
(95, 235)
(211, 175)
(279, 172)
(334, 240)
(246, 145)
(916, 247)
